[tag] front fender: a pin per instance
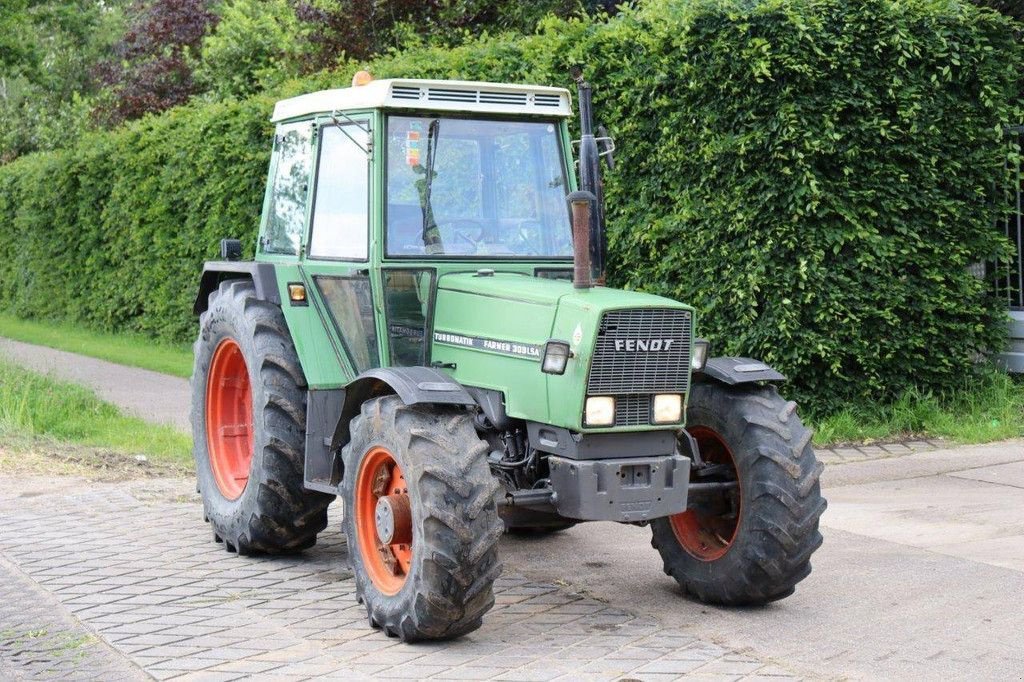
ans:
(414, 385)
(733, 371)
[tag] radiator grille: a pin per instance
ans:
(630, 356)
(633, 410)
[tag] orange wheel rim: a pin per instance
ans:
(383, 520)
(708, 536)
(229, 432)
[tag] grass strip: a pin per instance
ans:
(988, 407)
(36, 406)
(124, 349)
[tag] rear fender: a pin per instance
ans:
(262, 275)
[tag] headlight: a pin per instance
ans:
(600, 411)
(556, 357)
(700, 355)
(668, 408)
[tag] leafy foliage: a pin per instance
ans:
(150, 70)
(48, 49)
(1011, 8)
(358, 29)
(814, 175)
(255, 45)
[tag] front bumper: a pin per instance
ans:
(624, 489)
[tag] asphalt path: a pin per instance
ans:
(155, 397)
(921, 575)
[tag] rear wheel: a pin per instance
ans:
(751, 541)
(420, 519)
(248, 427)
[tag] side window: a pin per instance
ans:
(342, 199)
(351, 306)
(292, 146)
(407, 295)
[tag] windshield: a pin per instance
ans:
(478, 188)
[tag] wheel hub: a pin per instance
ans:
(394, 519)
(383, 520)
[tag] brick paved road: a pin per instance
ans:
(38, 640)
(135, 563)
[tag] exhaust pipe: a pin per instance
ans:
(581, 203)
(590, 179)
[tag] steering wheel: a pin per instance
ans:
(523, 242)
(472, 232)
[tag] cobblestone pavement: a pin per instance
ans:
(136, 565)
(38, 640)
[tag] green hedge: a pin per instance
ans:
(113, 231)
(814, 175)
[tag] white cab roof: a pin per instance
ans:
(466, 96)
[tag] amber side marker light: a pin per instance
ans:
(361, 78)
(297, 293)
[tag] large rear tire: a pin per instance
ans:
(248, 427)
(753, 544)
(420, 519)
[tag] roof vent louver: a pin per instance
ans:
(542, 100)
(440, 95)
(405, 92)
(518, 98)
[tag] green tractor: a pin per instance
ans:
(424, 333)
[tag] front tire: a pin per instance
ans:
(248, 427)
(420, 519)
(753, 544)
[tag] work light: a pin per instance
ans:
(700, 355)
(600, 411)
(556, 357)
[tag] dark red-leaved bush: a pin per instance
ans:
(149, 71)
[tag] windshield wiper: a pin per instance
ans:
(367, 148)
(431, 235)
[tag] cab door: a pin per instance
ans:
(337, 261)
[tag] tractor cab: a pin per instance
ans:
(377, 191)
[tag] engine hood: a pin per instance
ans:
(493, 328)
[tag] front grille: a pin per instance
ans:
(633, 410)
(632, 363)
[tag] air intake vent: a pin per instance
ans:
(518, 98)
(439, 95)
(645, 350)
(633, 410)
(463, 96)
(405, 92)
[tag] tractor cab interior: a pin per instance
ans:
(475, 188)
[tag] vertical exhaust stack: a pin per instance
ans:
(581, 203)
(590, 179)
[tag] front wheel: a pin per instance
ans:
(420, 519)
(750, 542)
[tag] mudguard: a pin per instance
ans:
(732, 371)
(414, 385)
(262, 275)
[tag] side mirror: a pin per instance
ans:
(230, 249)
(606, 147)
